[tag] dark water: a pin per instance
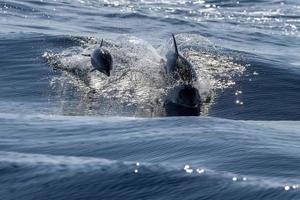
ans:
(61, 140)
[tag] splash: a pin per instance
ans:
(137, 86)
(134, 88)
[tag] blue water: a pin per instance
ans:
(61, 138)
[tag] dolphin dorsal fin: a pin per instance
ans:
(101, 43)
(175, 44)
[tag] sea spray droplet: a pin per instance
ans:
(234, 178)
(238, 92)
(287, 188)
(188, 169)
(136, 171)
(137, 164)
(295, 187)
(200, 171)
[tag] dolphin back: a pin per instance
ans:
(185, 70)
(178, 67)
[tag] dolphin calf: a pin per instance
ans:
(101, 60)
(183, 99)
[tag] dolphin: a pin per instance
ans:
(182, 99)
(101, 60)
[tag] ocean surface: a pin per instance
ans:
(85, 136)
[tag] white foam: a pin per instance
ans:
(43, 159)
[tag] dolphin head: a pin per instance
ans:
(183, 100)
(102, 61)
(188, 96)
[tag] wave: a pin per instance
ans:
(49, 164)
